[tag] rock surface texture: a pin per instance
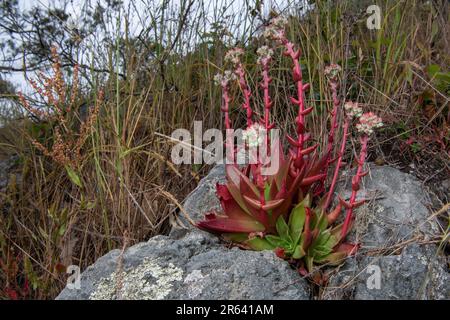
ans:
(191, 264)
(195, 266)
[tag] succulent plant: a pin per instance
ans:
(252, 205)
(288, 210)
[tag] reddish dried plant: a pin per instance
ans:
(61, 113)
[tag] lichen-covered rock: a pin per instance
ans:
(195, 266)
(417, 273)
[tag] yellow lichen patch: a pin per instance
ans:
(148, 281)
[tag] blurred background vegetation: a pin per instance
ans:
(153, 61)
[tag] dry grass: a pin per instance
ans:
(124, 183)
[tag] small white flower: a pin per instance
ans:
(234, 55)
(279, 22)
(223, 80)
(352, 110)
(368, 122)
(264, 54)
(218, 79)
(275, 30)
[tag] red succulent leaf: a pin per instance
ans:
(222, 192)
(309, 150)
(280, 252)
(311, 179)
(302, 271)
(333, 215)
(349, 249)
(223, 224)
(268, 205)
(293, 142)
(344, 203)
(307, 230)
(307, 111)
(240, 180)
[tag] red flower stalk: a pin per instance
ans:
(338, 163)
(356, 180)
(233, 56)
(351, 110)
(247, 93)
(331, 71)
(276, 31)
(223, 81)
(225, 106)
(299, 101)
(366, 125)
(265, 56)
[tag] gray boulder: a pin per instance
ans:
(203, 198)
(396, 210)
(417, 273)
(195, 266)
(390, 228)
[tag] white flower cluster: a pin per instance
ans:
(332, 70)
(368, 122)
(275, 30)
(254, 135)
(223, 80)
(234, 55)
(352, 110)
(264, 54)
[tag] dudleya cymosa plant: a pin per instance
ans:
(289, 210)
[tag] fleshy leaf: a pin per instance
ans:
(298, 252)
(277, 241)
(334, 258)
(223, 224)
(259, 244)
(235, 237)
(297, 221)
(282, 229)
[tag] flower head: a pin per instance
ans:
(223, 80)
(368, 122)
(234, 55)
(332, 70)
(275, 30)
(254, 135)
(279, 22)
(352, 109)
(264, 54)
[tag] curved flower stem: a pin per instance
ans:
(267, 101)
(355, 184)
(299, 101)
(225, 106)
(247, 93)
(338, 163)
(333, 123)
(225, 109)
